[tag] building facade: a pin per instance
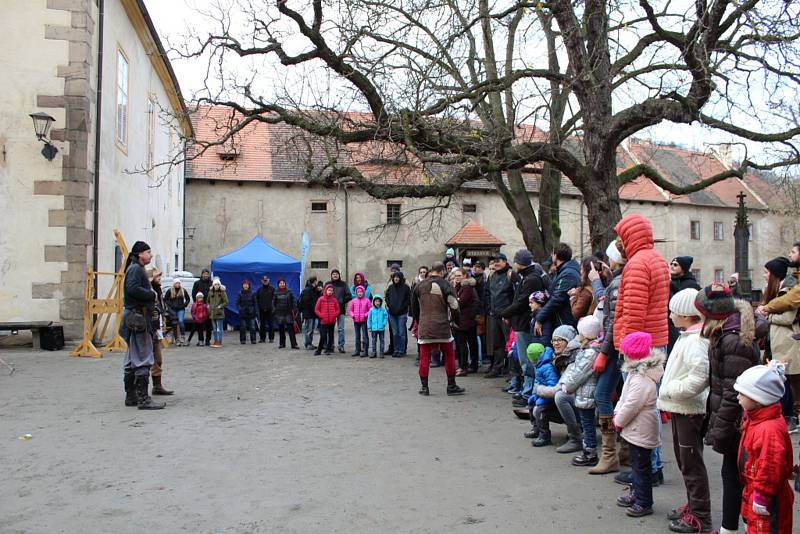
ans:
(98, 68)
(255, 189)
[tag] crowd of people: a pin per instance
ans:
(621, 341)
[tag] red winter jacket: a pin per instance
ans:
(327, 308)
(765, 467)
(199, 312)
(643, 297)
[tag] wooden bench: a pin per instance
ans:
(33, 326)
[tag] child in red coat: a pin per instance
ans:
(765, 451)
(327, 309)
(199, 316)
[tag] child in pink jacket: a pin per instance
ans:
(358, 310)
(636, 418)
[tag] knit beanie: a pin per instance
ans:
(450, 252)
(216, 282)
(589, 327)
(778, 267)
(715, 301)
(359, 289)
(762, 383)
(139, 246)
(685, 262)
(636, 345)
(523, 257)
(682, 303)
(613, 253)
(199, 295)
(565, 332)
(539, 297)
(533, 351)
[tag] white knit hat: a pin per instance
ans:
(612, 253)
(682, 303)
(589, 327)
(762, 383)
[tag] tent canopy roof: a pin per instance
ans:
(255, 256)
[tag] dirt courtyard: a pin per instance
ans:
(263, 440)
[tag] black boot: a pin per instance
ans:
(130, 389)
(144, 401)
(588, 458)
(453, 388)
(424, 389)
(534, 432)
(544, 432)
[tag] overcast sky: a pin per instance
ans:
(173, 17)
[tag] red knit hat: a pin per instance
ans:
(636, 345)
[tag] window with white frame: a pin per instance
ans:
(694, 229)
(719, 276)
(122, 98)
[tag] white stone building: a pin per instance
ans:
(258, 189)
(59, 215)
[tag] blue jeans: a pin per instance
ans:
(589, 430)
(309, 325)
(362, 341)
(180, 314)
(377, 334)
(340, 329)
(217, 328)
(607, 385)
(523, 340)
(398, 326)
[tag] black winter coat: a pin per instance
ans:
(284, 305)
(138, 293)
(519, 311)
(177, 301)
(307, 302)
(201, 286)
(398, 297)
(730, 353)
(246, 302)
(342, 293)
(264, 297)
(480, 293)
(501, 290)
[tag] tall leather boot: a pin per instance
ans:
(130, 388)
(158, 389)
(609, 461)
(144, 402)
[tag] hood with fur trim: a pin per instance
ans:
(652, 366)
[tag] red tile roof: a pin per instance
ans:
(279, 153)
(473, 234)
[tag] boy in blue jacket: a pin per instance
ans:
(376, 324)
(537, 300)
(546, 375)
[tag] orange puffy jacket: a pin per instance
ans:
(643, 297)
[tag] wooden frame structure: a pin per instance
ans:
(97, 313)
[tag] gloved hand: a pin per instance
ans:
(617, 428)
(600, 363)
(760, 503)
(665, 416)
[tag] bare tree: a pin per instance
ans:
(458, 89)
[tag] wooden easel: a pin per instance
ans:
(104, 309)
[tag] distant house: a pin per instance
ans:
(118, 110)
(256, 185)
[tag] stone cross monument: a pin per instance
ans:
(741, 235)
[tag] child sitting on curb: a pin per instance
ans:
(765, 452)
(636, 417)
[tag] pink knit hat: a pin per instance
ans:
(636, 345)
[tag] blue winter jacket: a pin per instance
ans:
(558, 309)
(546, 375)
(378, 317)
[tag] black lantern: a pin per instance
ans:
(41, 125)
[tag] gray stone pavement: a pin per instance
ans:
(258, 439)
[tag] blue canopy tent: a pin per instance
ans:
(251, 261)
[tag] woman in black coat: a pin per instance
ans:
(284, 310)
(246, 302)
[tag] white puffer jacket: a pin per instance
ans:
(684, 387)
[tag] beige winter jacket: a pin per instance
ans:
(684, 387)
(636, 410)
(781, 328)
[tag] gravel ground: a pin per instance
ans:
(258, 439)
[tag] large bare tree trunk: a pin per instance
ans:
(601, 197)
(549, 208)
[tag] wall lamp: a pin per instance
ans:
(41, 125)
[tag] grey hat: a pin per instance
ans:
(565, 332)
(762, 383)
(523, 257)
(499, 256)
